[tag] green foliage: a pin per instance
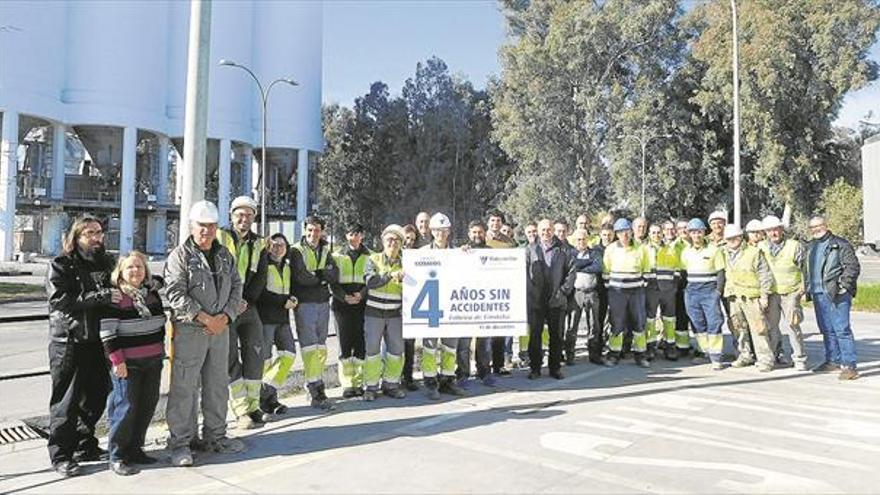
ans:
(428, 149)
(841, 203)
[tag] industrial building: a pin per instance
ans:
(92, 116)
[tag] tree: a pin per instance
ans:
(841, 203)
(797, 61)
(569, 72)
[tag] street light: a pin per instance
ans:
(644, 142)
(736, 168)
(264, 96)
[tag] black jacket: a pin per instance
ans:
(312, 287)
(840, 266)
(78, 290)
(549, 287)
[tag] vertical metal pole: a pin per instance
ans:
(644, 148)
(736, 165)
(196, 118)
(264, 169)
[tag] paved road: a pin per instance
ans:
(676, 428)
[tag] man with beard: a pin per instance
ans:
(78, 286)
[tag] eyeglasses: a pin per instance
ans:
(92, 233)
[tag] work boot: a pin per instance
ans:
(742, 362)
(683, 352)
(612, 360)
(350, 392)
(847, 373)
(226, 445)
(411, 385)
(557, 374)
(717, 366)
(122, 468)
(181, 457)
(431, 388)
(248, 422)
(596, 358)
(670, 353)
(448, 386)
(395, 392)
(319, 398)
(67, 468)
(651, 352)
(765, 368)
(91, 454)
(369, 395)
(801, 366)
(641, 360)
(141, 457)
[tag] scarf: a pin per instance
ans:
(138, 298)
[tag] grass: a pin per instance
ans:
(867, 298)
(10, 292)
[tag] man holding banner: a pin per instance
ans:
(550, 281)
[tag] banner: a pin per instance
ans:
(452, 293)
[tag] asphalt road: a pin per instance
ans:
(678, 428)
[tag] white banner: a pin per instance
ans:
(451, 293)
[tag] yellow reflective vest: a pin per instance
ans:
(741, 273)
(625, 266)
(247, 251)
(787, 276)
(388, 297)
(278, 282)
(703, 264)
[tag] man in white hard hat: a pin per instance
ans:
(717, 221)
(786, 258)
(441, 229)
(754, 232)
(246, 333)
(204, 292)
(747, 289)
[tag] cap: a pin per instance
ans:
(754, 226)
(243, 202)
(622, 224)
(696, 224)
(771, 222)
(718, 215)
(732, 230)
(439, 221)
(204, 212)
(394, 229)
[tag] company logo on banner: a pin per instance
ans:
(452, 293)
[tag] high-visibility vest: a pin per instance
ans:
(278, 282)
(388, 297)
(350, 272)
(665, 261)
(246, 252)
(310, 257)
(742, 274)
(787, 276)
(626, 265)
(702, 265)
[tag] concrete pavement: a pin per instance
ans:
(675, 428)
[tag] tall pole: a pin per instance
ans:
(737, 213)
(196, 118)
(644, 144)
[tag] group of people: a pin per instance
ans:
(637, 288)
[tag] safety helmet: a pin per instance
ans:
(394, 229)
(204, 212)
(622, 224)
(771, 222)
(696, 224)
(439, 221)
(718, 215)
(754, 226)
(732, 230)
(243, 202)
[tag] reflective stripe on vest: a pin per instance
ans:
(388, 297)
(350, 273)
(742, 274)
(787, 276)
(278, 282)
(310, 258)
(703, 264)
(246, 259)
(627, 266)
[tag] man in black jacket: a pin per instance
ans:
(832, 270)
(550, 281)
(78, 286)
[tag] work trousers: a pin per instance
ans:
(312, 320)
(80, 385)
(246, 357)
(704, 309)
(276, 369)
(787, 306)
(389, 331)
(660, 297)
(130, 406)
(748, 323)
(627, 307)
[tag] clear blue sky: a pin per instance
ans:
(382, 40)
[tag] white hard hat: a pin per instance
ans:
(732, 230)
(394, 229)
(243, 202)
(439, 221)
(204, 212)
(771, 222)
(718, 215)
(754, 226)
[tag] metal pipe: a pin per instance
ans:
(737, 212)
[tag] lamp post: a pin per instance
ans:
(736, 167)
(264, 98)
(643, 143)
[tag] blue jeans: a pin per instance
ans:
(833, 319)
(130, 406)
(703, 305)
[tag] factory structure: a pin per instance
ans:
(92, 116)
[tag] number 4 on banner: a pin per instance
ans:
(431, 292)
